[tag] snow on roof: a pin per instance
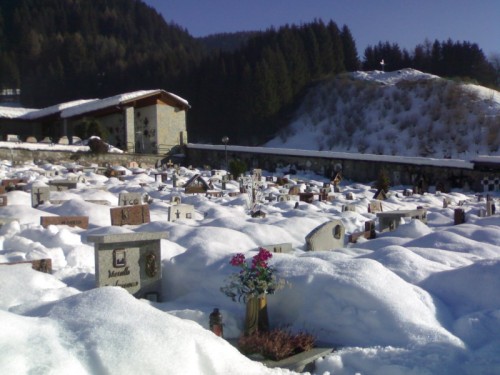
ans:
(15, 112)
(343, 155)
(114, 101)
(47, 111)
(391, 78)
(105, 103)
(78, 107)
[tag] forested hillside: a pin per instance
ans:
(241, 85)
(244, 93)
(57, 50)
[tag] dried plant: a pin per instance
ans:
(276, 344)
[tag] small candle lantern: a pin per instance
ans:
(215, 322)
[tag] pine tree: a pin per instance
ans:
(351, 59)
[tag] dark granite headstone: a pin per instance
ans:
(459, 216)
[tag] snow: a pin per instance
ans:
(422, 299)
(405, 113)
(79, 107)
(344, 155)
(391, 78)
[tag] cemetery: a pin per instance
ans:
(167, 236)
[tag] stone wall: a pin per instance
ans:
(365, 171)
(57, 157)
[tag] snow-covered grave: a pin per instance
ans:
(421, 299)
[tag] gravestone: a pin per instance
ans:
(258, 214)
(407, 192)
(257, 173)
(3, 200)
(39, 195)
(490, 208)
(71, 221)
(11, 184)
(41, 265)
(279, 248)
(306, 197)
(446, 202)
(294, 190)
(62, 185)
(196, 185)
(369, 232)
(375, 206)
(388, 221)
(327, 236)
(130, 215)
(459, 216)
(180, 212)
(348, 208)
(131, 261)
(380, 195)
(130, 199)
(349, 196)
(176, 199)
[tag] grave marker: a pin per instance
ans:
(131, 261)
(176, 199)
(71, 221)
(130, 199)
(348, 208)
(446, 202)
(306, 197)
(39, 195)
(279, 248)
(388, 221)
(490, 208)
(327, 236)
(3, 200)
(62, 185)
(181, 212)
(375, 206)
(380, 195)
(130, 215)
(459, 216)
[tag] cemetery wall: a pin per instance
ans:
(19, 155)
(399, 173)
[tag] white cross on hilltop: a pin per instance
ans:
(382, 63)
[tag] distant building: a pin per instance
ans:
(10, 97)
(150, 121)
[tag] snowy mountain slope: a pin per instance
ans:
(407, 113)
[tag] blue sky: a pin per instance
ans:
(405, 22)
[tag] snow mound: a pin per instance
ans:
(391, 78)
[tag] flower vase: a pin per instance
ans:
(256, 319)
